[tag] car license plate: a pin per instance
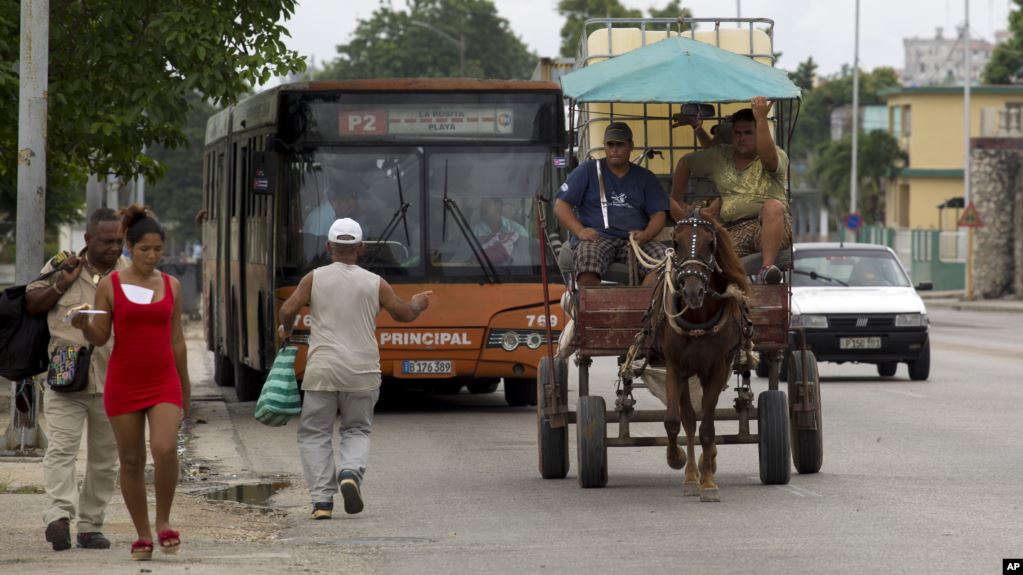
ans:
(423, 367)
(859, 343)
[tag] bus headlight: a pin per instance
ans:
(509, 341)
(534, 340)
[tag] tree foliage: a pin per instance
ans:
(813, 129)
(879, 160)
(1006, 64)
(120, 74)
(805, 75)
(577, 12)
(391, 45)
(177, 196)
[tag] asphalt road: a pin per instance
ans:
(918, 477)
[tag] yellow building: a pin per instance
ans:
(928, 123)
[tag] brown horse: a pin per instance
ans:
(702, 340)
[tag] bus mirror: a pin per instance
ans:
(264, 171)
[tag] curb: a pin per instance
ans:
(986, 306)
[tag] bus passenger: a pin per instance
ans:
(68, 414)
(631, 203)
(340, 204)
(751, 176)
(343, 365)
(147, 379)
(498, 234)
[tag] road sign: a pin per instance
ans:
(970, 218)
(853, 221)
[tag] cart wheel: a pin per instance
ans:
(552, 442)
(591, 437)
(773, 427)
(807, 444)
(920, 368)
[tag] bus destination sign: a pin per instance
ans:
(426, 121)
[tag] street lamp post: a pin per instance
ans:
(458, 42)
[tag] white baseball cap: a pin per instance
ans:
(345, 231)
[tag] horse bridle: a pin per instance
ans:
(693, 265)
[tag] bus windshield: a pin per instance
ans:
(446, 214)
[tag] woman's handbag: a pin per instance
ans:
(279, 400)
(69, 368)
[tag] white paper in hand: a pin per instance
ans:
(74, 313)
(137, 294)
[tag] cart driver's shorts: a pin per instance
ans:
(746, 234)
(596, 256)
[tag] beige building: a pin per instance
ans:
(928, 123)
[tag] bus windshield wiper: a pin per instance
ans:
(816, 276)
(398, 216)
(450, 205)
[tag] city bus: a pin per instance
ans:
(448, 179)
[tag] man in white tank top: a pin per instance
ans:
(343, 365)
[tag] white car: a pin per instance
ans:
(855, 302)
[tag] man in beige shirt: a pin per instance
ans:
(343, 365)
(68, 414)
(751, 175)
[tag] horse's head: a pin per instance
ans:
(696, 242)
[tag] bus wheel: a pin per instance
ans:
(519, 392)
(223, 375)
(247, 383)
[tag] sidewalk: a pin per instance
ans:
(955, 300)
(219, 537)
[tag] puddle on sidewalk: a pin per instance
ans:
(258, 494)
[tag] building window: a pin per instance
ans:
(907, 117)
(902, 209)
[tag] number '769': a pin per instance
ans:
(541, 320)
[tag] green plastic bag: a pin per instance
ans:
(279, 400)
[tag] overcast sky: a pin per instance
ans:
(821, 28)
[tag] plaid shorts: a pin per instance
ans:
(746, 235)
(596, 256)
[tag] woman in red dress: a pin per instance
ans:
(147, 379)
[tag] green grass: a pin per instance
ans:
(14, 489)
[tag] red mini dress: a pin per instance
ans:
(142, 372)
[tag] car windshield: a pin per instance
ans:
(843, 267)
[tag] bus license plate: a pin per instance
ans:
(431, 367)
(859, 343)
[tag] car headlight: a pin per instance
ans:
(910, 319)
(810, 321)
(509, 341)
(534, 340)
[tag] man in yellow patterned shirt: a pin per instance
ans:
(751, 176)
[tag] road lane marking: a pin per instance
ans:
(903, 392)
(794, 490)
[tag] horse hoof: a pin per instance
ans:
(710, 495)
(677, 463)
(691, 489)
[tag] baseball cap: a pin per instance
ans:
(617, 132)
(345, 231)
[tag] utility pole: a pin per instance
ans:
(93, 195)
(853, 172)
(33, 68)
(967, 164)
(32, 108)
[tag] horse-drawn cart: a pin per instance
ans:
(620, 320)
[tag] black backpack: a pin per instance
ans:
(23, 337)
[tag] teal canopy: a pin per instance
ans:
(678, 70)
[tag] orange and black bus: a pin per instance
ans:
(444, 177)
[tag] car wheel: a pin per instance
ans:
(887, 368)
(920, 368)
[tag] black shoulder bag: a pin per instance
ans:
(23, 337)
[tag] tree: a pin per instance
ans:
(391, 45)
(879, 160)
(576, 12)
(805, 74)
(1006, 64)
(177, 196)
(120, 74)
(813, 129)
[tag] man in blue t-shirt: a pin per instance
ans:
(632, 203)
